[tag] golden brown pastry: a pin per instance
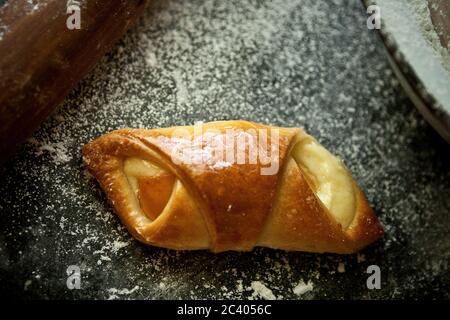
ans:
(231, 185)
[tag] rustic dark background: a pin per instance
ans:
(305, 63)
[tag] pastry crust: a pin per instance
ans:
(223, 206)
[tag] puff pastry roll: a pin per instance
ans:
(231, 185)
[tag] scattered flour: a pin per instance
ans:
(151, 59)
(62, 222)
(27, 284)
(117, 245)
(118, 293)
(239, 287)
(182, 93)
(260, 290)
(341, 267)
(33, 6)
(57, 150)
(302, 287)
(3, 30)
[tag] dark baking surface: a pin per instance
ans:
(308, 63)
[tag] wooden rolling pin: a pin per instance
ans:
(43, 55)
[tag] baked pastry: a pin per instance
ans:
(231, 185)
